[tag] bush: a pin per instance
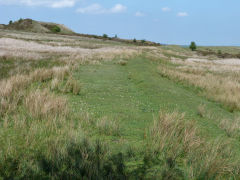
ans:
(20, 20)
(143, 41)
(56, 29)
(105, 36)
(134, 40)
(193, 46)
(219, 52)
(10, 22)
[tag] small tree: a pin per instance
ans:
(134, 40)
(143, 41)
(105, 36)
(20, 20)
(193, 46)
(10, 22)
(116, 36)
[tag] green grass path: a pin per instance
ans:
(134, 94)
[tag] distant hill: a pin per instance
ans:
(36, 26)
(30, 25)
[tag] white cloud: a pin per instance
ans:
(98, 9)
(92, 9)
(139, 14)
(46, 3)
(63, 3)
(166, 9)
(182, 14)
(118, 8)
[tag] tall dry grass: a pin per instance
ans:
(72, 86)
(231, 126)
(43, 105)
(32, 50)
(13, 89)
(219, 88)
(175, 142)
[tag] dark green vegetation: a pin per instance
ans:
(193, 46)
(54, 28)
(105, 36)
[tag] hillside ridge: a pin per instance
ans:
(30, 25)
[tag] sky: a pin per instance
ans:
(207, 22)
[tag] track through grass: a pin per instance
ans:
(133, 95)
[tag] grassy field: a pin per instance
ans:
(94, 109)
(223, 49)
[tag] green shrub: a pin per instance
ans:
(56, 29)
(10, 22)
(105, 36)
(134, 40)
(143, 41)
(219, 52)
(20, 20)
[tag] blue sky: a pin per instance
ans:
(207, 22)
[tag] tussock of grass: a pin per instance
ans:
(43, 105)
(108, 126)
(175, 142)
(201, 110)
(55, 84)
(72, 86)
(12, 89)
(232, 127)
(122, 62)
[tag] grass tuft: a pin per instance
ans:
(174, 141)
(122, 62)
(201, 110)
(72, 86)
(108, 126)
